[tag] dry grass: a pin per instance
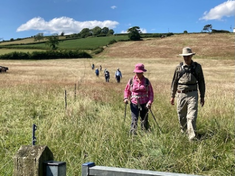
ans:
(160, 57)
(219, 75)
(220, 46)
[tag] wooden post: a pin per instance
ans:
(75, 93)
(65, 99)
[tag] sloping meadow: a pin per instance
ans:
(81, 118)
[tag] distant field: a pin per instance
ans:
(5, 51)
(23, 41)
(210, 46)
(80, 44)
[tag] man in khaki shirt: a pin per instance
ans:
(188, 78)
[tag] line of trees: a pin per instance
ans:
(96, 32)
(86, 32)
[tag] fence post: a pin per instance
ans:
(65, 99)
(75, 93)
(34, 137)
(85, 168)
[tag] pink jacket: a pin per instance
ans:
(139, 92)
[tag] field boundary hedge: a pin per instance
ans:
(40, 55)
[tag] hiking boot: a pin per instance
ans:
(133, 132)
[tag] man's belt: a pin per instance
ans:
(186, 91)
(187, 83)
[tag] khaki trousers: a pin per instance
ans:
(187, 108)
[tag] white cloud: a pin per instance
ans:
(225, 9)
(113, 7)
(64, 24)
(142, 30)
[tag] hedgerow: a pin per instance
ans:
(40, 55)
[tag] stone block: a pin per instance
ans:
(30, 159)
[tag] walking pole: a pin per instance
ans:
(142, 122)
(125, 112)
(155, 121)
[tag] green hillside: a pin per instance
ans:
(89, 43)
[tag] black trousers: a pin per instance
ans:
(135, 113)
(118, 78)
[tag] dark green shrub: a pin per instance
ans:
(112, 42)
(219, 31)
(156, 35)
(169, 34)
(15, 56)
(98, 50)
(40, 55)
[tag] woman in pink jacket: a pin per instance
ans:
(139, 92)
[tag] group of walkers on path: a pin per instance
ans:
(188, 78)
(118, 73)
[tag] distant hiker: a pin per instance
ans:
(106, 75)
(92, 66)
(97, 72)
(188, 78)
(140, 93)
(118, 75)
(100, 68)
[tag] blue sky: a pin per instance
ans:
(25, 18)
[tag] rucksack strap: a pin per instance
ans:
(192, 70)
(146, 84)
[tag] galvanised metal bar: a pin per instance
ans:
(89, 169)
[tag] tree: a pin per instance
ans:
(85, 33)
(134, 33)
(53, 42)
(111, 32)
(105, 30)
(38, 37)
(96, 31)
(207, 27)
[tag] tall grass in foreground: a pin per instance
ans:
(92, 128)
(95, 131)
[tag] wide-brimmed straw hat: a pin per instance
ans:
(139, 68)
(187, 51)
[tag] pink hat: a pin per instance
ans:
(139, 68)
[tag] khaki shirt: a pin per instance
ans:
(188, 81)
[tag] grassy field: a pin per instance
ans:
(25, 41)
(92, 127)
(81, 44)
(5, 51)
